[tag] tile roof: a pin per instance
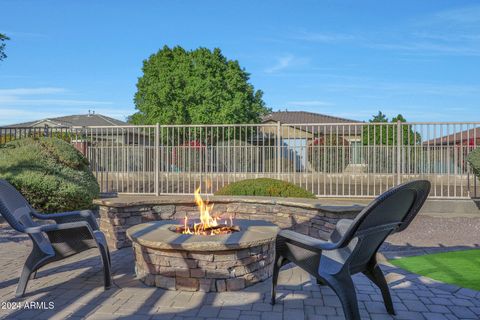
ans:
(466, 137)
(315, 123)
(297, 117)
(80, 120)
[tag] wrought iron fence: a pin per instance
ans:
(8, 134)
(330, 160)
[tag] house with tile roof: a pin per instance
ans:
(90, 131)
(302, 133)
(308, 125)
(469, 137)
(303, 117)
(73, 121)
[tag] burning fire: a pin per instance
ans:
(208, 224)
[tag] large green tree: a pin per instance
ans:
(380, 117)
(3, 38)
(195, 87)
(378, 134)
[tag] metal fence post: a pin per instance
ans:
(157, 159)
(474, 186)
(279, 146)
(399, 151)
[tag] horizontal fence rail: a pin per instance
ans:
(8, 134)
(330, 160)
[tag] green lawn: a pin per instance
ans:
(461, 268)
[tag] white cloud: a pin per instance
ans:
(18, 115)
(285, 62)
(422, 47)
(463, 15)
(29, 97)
(10, 115)
(31, 91)
(27, 104)
(13, 101)
(309, 103)
(374, 87)
(453, 32)
(322, 36)
(282, 63)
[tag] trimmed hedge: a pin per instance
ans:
(50, 173)
(474, 160)
(264, 187)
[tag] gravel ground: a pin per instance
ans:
(428, 234)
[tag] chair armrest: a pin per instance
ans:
(56, 227)
(341, 228)
(71, 216)
(305, 241)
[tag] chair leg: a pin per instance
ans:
(34, 260)
(108, 256)
(375, 274)
(343, 286)
(22, 283)
(109, 259)
(277, 264)
(107, 275)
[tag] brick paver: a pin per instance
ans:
(76, 289)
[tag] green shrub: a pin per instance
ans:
(50, 173)
(474, 160)
(264, 187)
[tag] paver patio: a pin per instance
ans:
(76, 288)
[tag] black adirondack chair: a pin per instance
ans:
(353, 245)
(72, 233)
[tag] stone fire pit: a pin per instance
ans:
(312, 217)
(229, 262)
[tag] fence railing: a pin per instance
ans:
(330, 160)
(8, 134)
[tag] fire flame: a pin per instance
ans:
(206, 220)
(208, 224)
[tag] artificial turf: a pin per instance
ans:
(461, 268)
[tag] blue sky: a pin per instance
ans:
(344, 58)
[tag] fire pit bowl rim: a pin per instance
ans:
(157, 235)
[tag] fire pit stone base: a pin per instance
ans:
(173, 261)
(206, 271)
